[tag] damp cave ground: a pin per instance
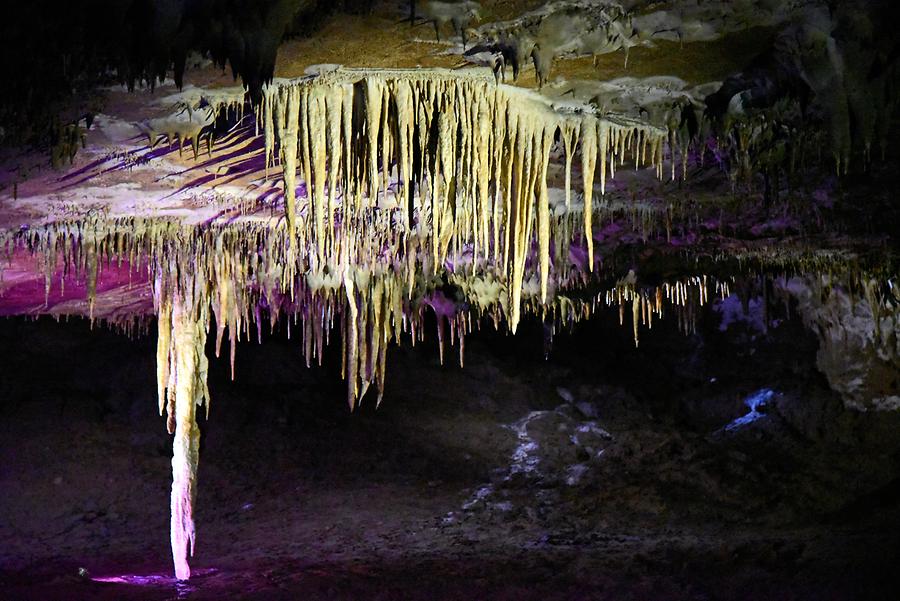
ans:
(422, 499)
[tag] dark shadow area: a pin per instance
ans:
(601, 472)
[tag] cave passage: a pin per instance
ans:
(532, 299)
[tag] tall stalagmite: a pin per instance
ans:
(182, 369)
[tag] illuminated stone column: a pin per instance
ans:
(182, 371)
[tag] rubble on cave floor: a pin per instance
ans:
(664, 497)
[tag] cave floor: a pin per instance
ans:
(463, 484)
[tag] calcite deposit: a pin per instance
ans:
(369, 203)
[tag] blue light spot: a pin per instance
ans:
(756, 402)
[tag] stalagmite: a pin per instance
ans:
(181, 346)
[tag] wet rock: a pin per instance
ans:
(859, 349)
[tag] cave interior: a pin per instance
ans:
(510, 299)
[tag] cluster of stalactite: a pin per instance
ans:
(247, 273)
(469, 158)
(686, 296)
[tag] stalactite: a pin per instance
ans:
(588, 164)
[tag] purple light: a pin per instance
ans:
(150, 579)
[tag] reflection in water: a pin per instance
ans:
(182, 588)
(138, 580)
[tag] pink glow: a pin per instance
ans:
(22, 289)
(149, 579)
(442, 306)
